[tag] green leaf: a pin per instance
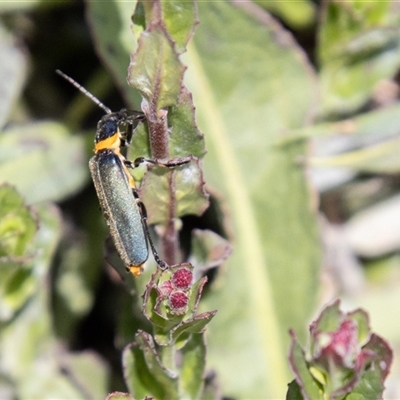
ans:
(144, 374)
(358, 47)
(384, 356)
(110, 24)
(192, 367)
(155, 69)
(370, 387)
(13, 70)
(330, 318)
(43, 161)
(306, 382)
(183, 187)
(194, 325)
(294, 392)
(363, 328)
(243, 108)
(180, 18)
(180, 189)
(184, 137)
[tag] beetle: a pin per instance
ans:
(124, 213)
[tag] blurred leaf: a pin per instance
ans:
(372, 136)
(43, 161)
(155, 69)
(18, 226)
(364, 128)
(87, 371)
(298, 15)
(379, 158)
(267, 193)
(209, 250)
(74, 282)
(13, 69)
(30, 355)
(358, 46)
(192, 367)
(17, 223)
(211, 389)
(17, 286)
(110, 24)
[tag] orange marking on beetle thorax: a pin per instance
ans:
(112, 143)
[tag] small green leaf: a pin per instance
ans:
(294, 392)
(192, 367)
(43, 161)
(155, 69)
(144, 374)
(384, 355)
(308, 385)
(193, 325)
(370, 387)
(330, 318)
(180, 18)
(363, 328)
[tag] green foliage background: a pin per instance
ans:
(261, 92)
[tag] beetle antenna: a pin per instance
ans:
(84, 91)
